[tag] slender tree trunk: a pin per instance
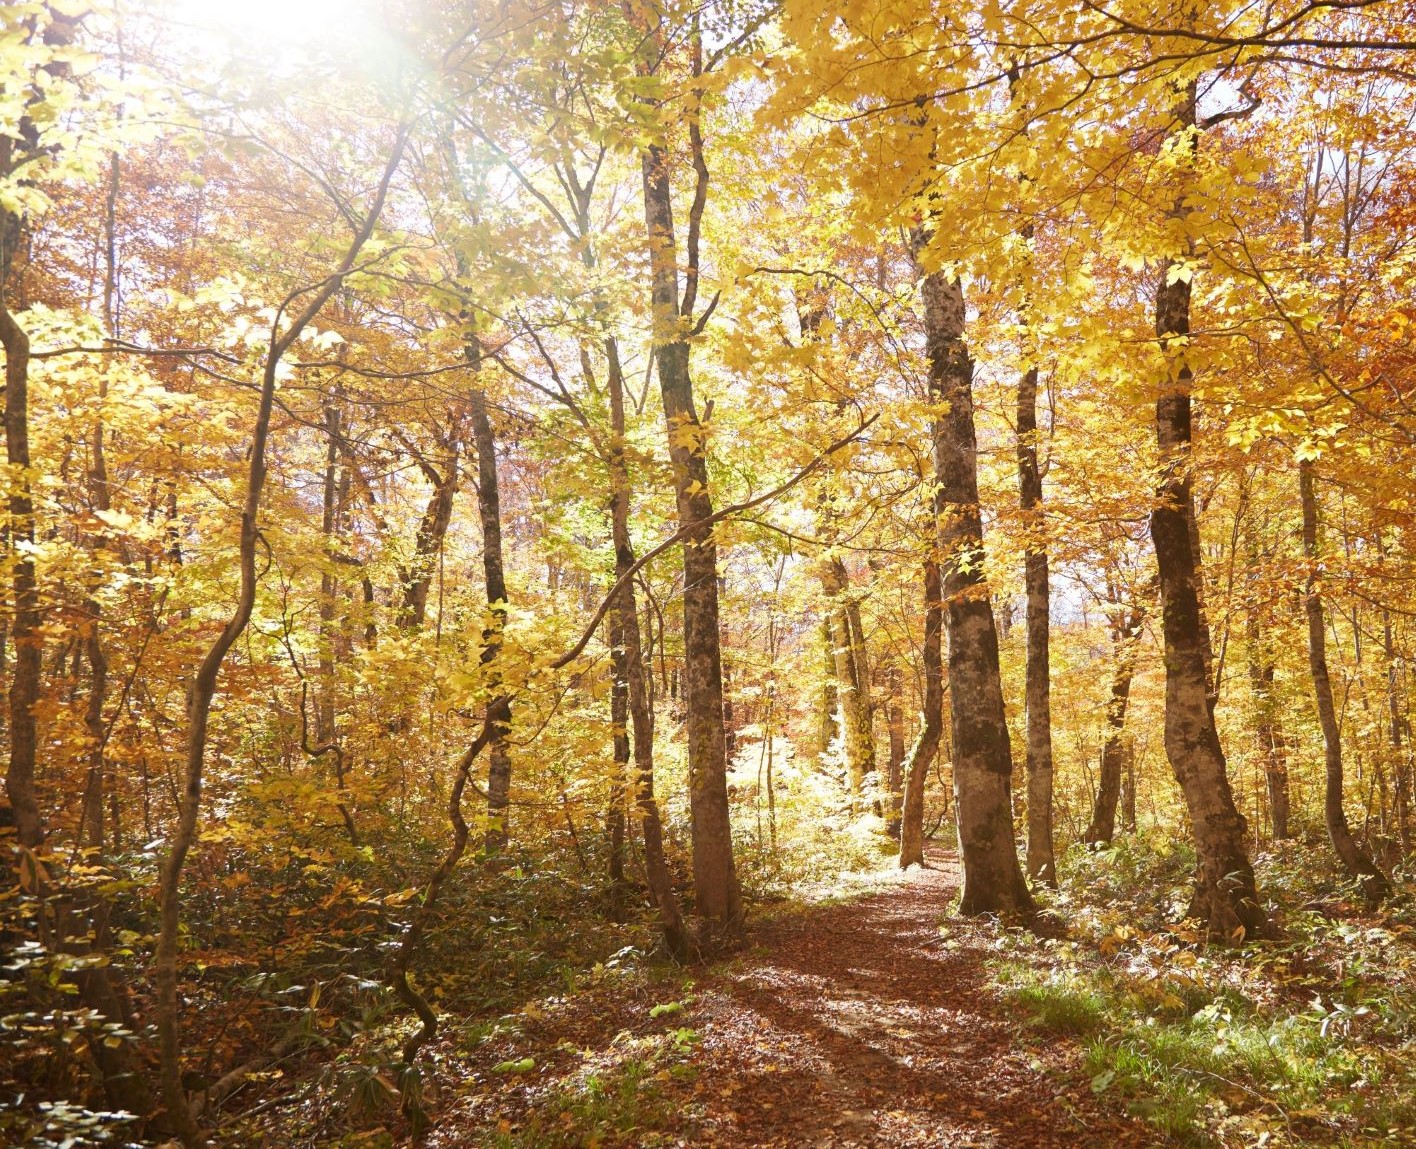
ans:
(91, 830)
(931, 725)
(630, 667)
(1206, 638)
(983, 764)
(619, 768)
(417, 575)
(1268, 727)
(860, 655)
(335, 497)
(854, 706)
(895, 771)
(1401, 789)
(1354, 859)
(1042, 865)
(828, 696)
(1124, 634)
(204, 682)
(1128, 786)
(714, 873)
(498, 716)
(730, 717)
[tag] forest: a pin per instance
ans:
(708, 573)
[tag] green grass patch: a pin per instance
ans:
(620, 1103)
(1308, 1040)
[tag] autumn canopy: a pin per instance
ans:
(500, 496)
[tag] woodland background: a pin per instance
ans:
(487, 486)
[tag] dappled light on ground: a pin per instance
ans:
(864, 1023)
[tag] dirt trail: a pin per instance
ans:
(856, 1024)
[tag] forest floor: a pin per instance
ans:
(870, 1021)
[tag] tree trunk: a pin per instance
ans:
(895, 773)
(1128, 786)
(854, 706)
(926, 743)
(828, 697)
(983, 764)
(1225, 897)
(714, 873)
(1268, 727)
(1124, 634)
(333, 639)
(417, 575)
(1401, 789)
(25, 612)
(1042, 866)
(498, 714)
(1354, 859)
(619, 768)
(630, 666)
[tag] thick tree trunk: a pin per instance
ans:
(1354, 859)
(1225, 897)
(1042, 866)
(1102, 828)
(983, 764)
(714, 873)
(25, 612)
(931, 725)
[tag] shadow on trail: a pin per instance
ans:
(849, 1025)
(862, 1024)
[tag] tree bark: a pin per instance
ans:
(827, 697)
(983, 764)
(498, 713)
(1124, 634)
(629, 669)
(1375, 885)
(854, 706)
(1042, 866)
(715, 880)
(417, 575)
(1401, 789)
(926, 743)
(1128, 786)
(1225, 897)
(1268, 727)
(25, 611)
(895, 769)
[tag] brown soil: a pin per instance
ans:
(856, 1024)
